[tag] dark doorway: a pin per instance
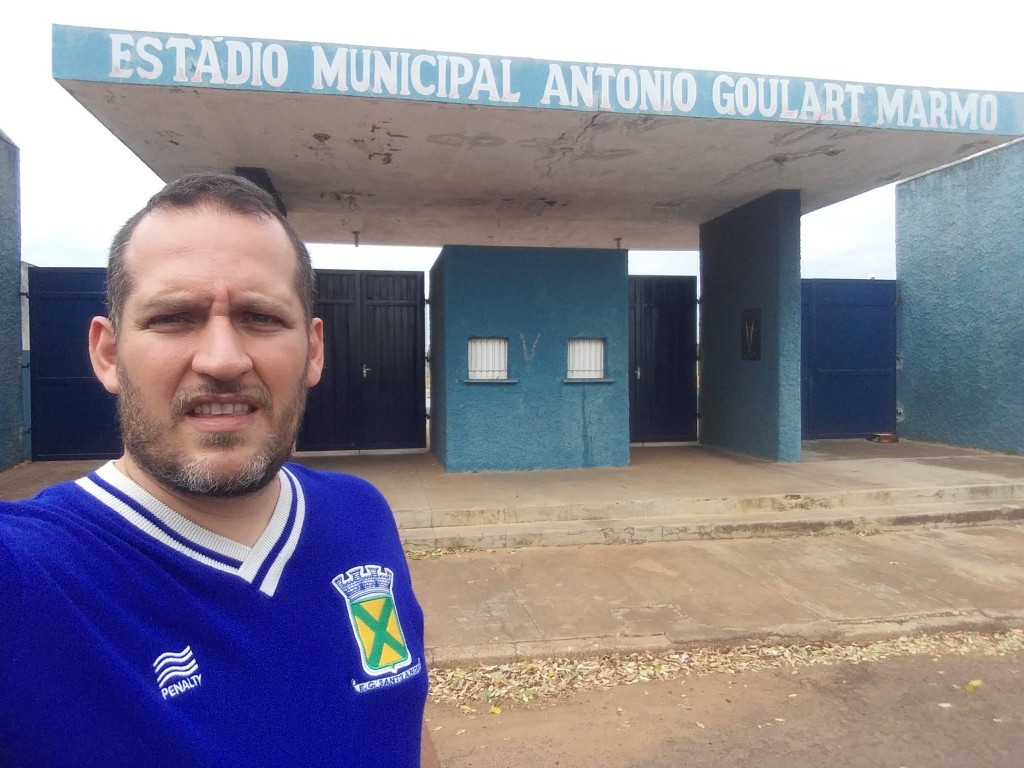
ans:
(662, 359)
(373, 391)
(848, 377)
(73, 416)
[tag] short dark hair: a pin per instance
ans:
(226, 192)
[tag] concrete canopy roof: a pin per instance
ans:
(482, 150)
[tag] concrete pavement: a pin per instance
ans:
(508, 604)
(695, 492)
(696, 546)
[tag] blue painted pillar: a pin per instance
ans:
(750, 328)
(10, 305)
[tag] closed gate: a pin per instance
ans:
(73, 416)
(848, 377)
(372, 394)
(662, 359)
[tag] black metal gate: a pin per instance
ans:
(848, 376)
(73, 416)
(372, 394)
(662, 359)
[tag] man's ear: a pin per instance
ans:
(103, 353)
(316, 352)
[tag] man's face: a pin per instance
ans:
(213, 354)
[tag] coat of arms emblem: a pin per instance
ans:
(367, 590)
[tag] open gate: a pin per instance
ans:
(662, 359)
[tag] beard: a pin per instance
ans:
(153, 449)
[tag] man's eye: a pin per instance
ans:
(259, 318)
(166, 320)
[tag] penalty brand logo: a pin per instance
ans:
(367, 590)
(177, 672)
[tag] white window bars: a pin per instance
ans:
(586, 359)
(488, 358)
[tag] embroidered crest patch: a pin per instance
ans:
(367, 590)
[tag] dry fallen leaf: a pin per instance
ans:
(495, 710)
(505, 684)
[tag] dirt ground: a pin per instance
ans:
(913, 712)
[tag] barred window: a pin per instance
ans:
(488, 358)
(586, 359)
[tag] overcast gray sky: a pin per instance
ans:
(79, 183)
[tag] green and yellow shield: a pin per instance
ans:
(374, 618)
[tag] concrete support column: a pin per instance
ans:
(750, 328)
(10, 305)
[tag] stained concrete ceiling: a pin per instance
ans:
(423, 173)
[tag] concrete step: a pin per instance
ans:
(798, 504)
(691, 526)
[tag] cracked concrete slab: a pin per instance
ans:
(505, 604)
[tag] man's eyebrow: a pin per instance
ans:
(262, 305)
(173, 302)
(176, 302)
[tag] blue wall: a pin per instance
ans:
(750, 259)
(538, 298)
(10, 305)
(960, 267)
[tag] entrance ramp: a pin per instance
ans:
(688, 492)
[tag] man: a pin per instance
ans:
(198, 601)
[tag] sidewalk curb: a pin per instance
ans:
(854, 632)
(653, 529)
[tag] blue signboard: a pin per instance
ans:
(155, 58)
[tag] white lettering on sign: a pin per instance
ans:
(380, 72)
(147, 49)
(909, 109)
(775, 98)
(406, 74)
(216, 61)
(623, 88)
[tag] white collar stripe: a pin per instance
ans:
(156, 521)
(265, 548)
(146, 526)
(279, 540)
(189, 532)
(270, 581)
(261, 564)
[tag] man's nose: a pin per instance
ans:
(221, 353)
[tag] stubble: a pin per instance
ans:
(152, 447)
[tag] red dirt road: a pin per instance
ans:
(914, 712)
